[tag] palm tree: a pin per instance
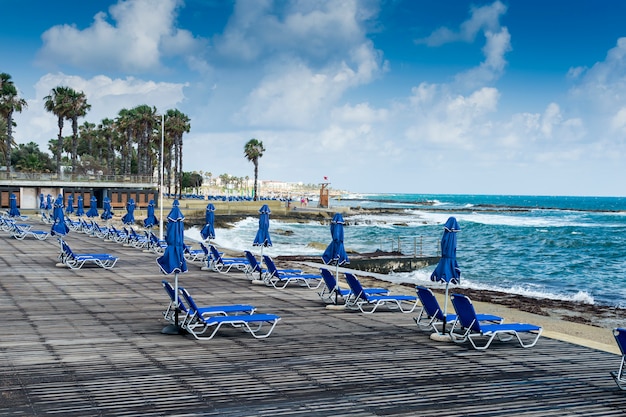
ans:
(10, 103)
(177, 124)
(77, 106)
(253, 150)
(144, 120)
(57, 104)
(106, 129)
(124, 126)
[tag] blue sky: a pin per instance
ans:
(414, 96)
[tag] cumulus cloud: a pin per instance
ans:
(314, 54)
(142, 35)
(444, 118)
(315, 31)
(603, 86)
(486, 18)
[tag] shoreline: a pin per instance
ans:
(582, 324)
(585, 324)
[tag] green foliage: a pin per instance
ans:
(28, 158)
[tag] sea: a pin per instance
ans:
(557, 247)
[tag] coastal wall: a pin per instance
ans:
(387, 264)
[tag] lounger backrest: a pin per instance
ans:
(329, 279)
(66, 249)
(205, 249)
(170, 291)
(271, 266)
(355, 286)
(193, 308)
(429, 302)
(466, 314)
(215, 253)
(252, 261)
(620, 338)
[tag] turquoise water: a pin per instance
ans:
(571, 248)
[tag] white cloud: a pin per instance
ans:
(496, 46)
(486, 18)
(312, 57)
(315, 31)
(359, 114)
(144, 34)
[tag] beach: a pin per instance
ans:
(88, 342)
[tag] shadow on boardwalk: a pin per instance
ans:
(88, 343)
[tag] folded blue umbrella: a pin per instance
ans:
(80, 209)
(173, 258)
(150, 219)
(13, 210)
(208, 231)
(129, 217)
(447, 270)
(107, 213)
(70, 204)
(93, 207)
(59, 227)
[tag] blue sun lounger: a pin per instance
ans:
(620, 375)
(77, 261)
(431, 314)
(194, 254)
(471, 328)
(189, 313)
(20, 233)
(279, 279)
(255, 267)
(223, 265)
(197, 324)
(331, 290)
(403, 303)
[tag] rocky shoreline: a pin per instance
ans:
(575, 312)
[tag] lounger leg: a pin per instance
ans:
(256, 334)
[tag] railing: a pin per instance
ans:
(413, 245)
(69, 177)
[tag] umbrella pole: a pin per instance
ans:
(336, 282)
(176, 299)
(445, 309)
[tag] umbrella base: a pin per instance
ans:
(439, 337)
(336, 307)
(257, 282)
(172, 329)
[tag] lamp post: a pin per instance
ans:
(161, 170)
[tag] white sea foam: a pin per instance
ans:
(422, 276)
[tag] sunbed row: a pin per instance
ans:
(21, 231)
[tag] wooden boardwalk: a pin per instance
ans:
(88, 343)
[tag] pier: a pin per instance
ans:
(88, 343)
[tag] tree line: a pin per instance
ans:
(128, 144)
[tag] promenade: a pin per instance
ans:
(88, 343)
